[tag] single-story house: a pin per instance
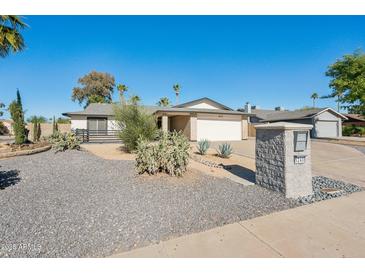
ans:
(327, 123)
(203, 118)
(354, 120)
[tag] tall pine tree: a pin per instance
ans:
(17, 115)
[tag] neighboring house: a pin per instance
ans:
(327, 123)
(199, 119)
(354, 120)
(8, 125)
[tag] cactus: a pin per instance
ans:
(225, 150)
(170, 154)
(203, 146)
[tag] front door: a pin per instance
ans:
(97, 124)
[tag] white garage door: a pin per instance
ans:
(326, 129)
(219, 130)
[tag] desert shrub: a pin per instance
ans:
(170, 154)
(146, 160)
(64, 141)
(134, 123)
(225, 150)
(203, 146)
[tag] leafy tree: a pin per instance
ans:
(348, 82)
(37, 119)
(61, 120)
(177, 89)
(314, 97)
(122, 90)
(17, 115)
(96, 87)
(134, 100)
(164, 102)
(11, 39)
(135, 122)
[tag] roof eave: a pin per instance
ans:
(333, 111)
(200, 100)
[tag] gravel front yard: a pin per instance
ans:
(75, 204)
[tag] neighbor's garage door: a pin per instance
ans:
(219, 128)
(327, 129)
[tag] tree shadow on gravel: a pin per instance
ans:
(8, 178)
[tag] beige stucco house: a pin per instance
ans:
(203, 118)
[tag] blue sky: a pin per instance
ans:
(266, 60)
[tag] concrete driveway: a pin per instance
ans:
(340, 162)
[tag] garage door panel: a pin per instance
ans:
(326, 129)
(219, 130)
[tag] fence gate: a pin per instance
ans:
(97, 136)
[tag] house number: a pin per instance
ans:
(298, 160)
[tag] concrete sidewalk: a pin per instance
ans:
(332, 228)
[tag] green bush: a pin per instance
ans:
(170, 154)
(203, 146)
(134, 123)
(225, 150)
(347, 130)
(353, 130)
(362, 131)
(64, 141)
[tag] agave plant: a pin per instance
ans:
(203, 146)
(225, 150)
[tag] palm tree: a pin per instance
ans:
(1, 106)
(135, 99)
(314, 97)
(177, 89)
(122, 89)
(10, 38)
(164, 102)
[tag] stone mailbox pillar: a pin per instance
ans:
(283, 158)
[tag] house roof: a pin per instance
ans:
(201, 110)
(104, 109)
(284, 115)
(94, 109)
(357, 117)
(202, 100)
